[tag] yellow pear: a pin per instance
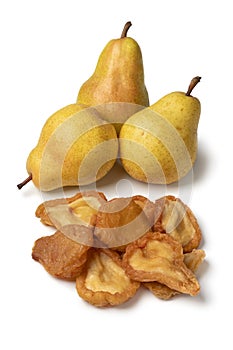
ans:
(118, 77)
(159, 144)
(117, 113)
(76, 147)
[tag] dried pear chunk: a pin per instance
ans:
(119, 222)
(158, 257)
(178, 221)
(152, 211)
(192, 260)
(64, 214)
(61, 256)
(160, 290)
(80, 209)
(103, 281)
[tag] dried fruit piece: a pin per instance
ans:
(192, 260)
(152, 211)
(60, 255)
(158, 257)
(104, 282)
(179, 222)
(119, 222)
(79, 209)
(160, 290)
(66, 213)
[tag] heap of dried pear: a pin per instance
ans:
(111, 248)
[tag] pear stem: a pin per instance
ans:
(125, 29)
(29, 178)
(192, 85)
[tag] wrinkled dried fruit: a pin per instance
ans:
(152, 211)
(179, 222)
(119, 222)
(79, 209)
(160, 290)
(103, 281)
(60, 255)
(192, 260)
(158, 257)
(111, 247)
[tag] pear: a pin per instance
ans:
(117, 113)
(75, 147)
(159, 144)
(118, 77)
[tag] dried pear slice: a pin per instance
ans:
(192, 260)
(104, 282)
(67, 214)
(79, 209)
(120, 222)
(179, 222)
(152, 211)
(158, 257)
(61, 256)
(160, 290)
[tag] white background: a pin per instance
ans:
(48, 49)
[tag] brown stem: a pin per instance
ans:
(192, 85)
(29, 178)
(125, 29)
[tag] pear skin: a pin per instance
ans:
(119, 75)
(185, 117)
(159, 144)
(71, 150)
(117, 113)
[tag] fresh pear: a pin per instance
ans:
(117, 113)
(159, 144)
(118, 77)
(76, 147)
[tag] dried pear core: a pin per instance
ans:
(158, 257)
(119, 222)
(111, 279)
(179, 222)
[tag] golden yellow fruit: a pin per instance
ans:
(119, 75)
(159, 144)
(76, 147)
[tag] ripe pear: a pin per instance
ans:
(159, 144)
(117, 113)
(118, 77)
(75, 147)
